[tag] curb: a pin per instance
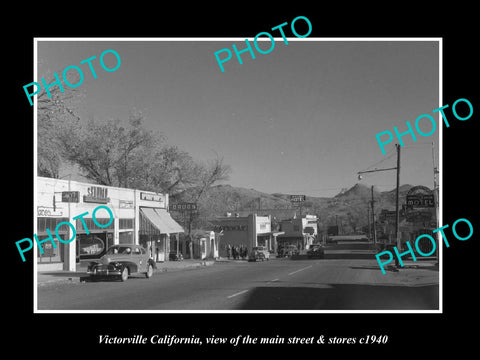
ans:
(202, 263)
(80, 276)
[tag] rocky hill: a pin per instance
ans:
(348, 208)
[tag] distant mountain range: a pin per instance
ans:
(348, 209)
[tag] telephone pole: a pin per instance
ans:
(369, 226)
(373, 220)
(397, 195)
(397, 202)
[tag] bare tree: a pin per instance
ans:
(107, 152)
(111, 154)
(210, 173)
(52, 113)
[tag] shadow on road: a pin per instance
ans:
(409, 266)
(343, 297)
(63, 274)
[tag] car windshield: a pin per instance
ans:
(119, 250)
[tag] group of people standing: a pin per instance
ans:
(236, 252)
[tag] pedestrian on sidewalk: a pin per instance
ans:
(229, 251)
(244, 252)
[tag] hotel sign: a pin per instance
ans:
(297, 198)
(420, 197)
(96, 194)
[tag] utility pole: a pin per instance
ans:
(436, 194)
(397, 202)
(369, 226)
(373, 220)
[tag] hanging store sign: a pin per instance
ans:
(44, 211)
(125, 204)
(96, 194)
(151, 196)
(71, 196)
(183, 206)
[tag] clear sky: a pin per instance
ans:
(300, 120)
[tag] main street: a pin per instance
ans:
(278, 284)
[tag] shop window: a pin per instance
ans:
(125, 237)
(93, 246)
(44, 223)
(51, 254)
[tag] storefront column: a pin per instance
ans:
(70, 251)
(116, 231)
(167, 247)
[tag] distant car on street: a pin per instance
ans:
(121, 261)
(259, 253)
(316, 251)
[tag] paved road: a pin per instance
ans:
(279, 284)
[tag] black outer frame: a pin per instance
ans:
(421, 333)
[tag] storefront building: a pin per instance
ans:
(139, 217)
(300, 232)
(247, 231)
(205, 245)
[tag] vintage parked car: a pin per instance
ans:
(316, 251)
(121, 261)
(174, 256)
(259, 253)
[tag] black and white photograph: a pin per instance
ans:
(222, 181)
(265, 180)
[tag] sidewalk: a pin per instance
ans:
(52, 277)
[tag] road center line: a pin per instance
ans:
(236, 294)
(300, 270)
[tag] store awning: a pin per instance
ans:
(162, 220)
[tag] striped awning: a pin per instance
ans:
(161, 220)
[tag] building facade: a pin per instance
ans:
(247, 231)
(301, 232)
(136, 216)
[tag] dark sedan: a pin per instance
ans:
(121, 261)
(316, 251)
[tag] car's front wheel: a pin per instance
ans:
(149, 272)
(124, 275)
